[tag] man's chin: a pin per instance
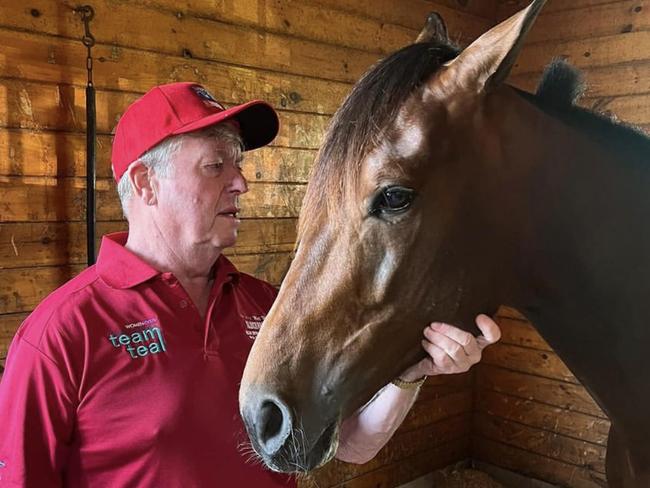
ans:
(223, 242)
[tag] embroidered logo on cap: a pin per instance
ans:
(207, 97)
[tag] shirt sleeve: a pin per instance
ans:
(37, 406)
(371, 427)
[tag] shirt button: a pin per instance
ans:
(183, 304)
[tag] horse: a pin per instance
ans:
(441, 192)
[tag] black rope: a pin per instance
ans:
(87, 13)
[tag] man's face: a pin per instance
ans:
(198, 202)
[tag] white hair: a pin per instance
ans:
(158, 159)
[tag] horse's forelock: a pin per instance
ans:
(361, 122)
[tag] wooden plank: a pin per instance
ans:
(39, 106)
(543, 442)
(542, 416)
(406, 469)
(535, 465)
(596, 51)
(48, 153)
(509, 312)
(58, 243)
(431, 411)
(21, 289)
(521, 333)
(59, 199)
(547, 391)
(33, 57)
(445, 384)
(400, 447)
(593, 21)
(174, 34)
(506, 8)
(603, 81)
(297, 19)
(48, 244)
(633, 109)
(8, 326)
(531, 361)
(412, 14)
(270, 267)
(482, 8)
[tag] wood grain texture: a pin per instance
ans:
(539, 441)
(28, 244)
(542, 416)
(32, 57)
(36, 106)
(170, 33)
(568, 396)
(535, 465)
(60, 199)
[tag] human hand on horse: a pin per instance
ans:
(452, 350)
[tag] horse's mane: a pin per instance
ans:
(369, 110)
(560, 87)
(373, 105)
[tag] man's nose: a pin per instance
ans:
(239, 183)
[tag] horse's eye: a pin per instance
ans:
(392, 199)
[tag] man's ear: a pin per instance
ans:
(141, 179)
(487, 62)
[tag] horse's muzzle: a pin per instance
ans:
(284, 443)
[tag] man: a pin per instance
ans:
(128, 374)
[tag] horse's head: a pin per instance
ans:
(394, 232)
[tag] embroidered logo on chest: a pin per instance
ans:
(147, 339)
(252, 325)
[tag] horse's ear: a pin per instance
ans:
(487, 62)
(434, 30)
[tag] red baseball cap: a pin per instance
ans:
(178, 108)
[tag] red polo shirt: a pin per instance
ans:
(116, 381)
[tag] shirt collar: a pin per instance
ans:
(120, 268)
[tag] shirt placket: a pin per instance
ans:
(211, 340)
(182, 301)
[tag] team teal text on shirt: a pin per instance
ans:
(142, 343)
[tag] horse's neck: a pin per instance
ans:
(584, 264)
(586, 233)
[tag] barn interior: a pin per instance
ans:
(520, 417)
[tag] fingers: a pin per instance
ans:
(454, 339)
(452, 350)
(442, 363)
(489, 329)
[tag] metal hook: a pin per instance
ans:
(87, 14)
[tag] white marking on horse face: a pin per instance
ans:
(384, 272)
(410, 141)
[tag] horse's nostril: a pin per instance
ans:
(273, 425)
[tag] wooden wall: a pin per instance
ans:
(301, 56)
(531, 415)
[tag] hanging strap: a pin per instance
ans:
(87, 13)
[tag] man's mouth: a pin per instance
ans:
(230, 212)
